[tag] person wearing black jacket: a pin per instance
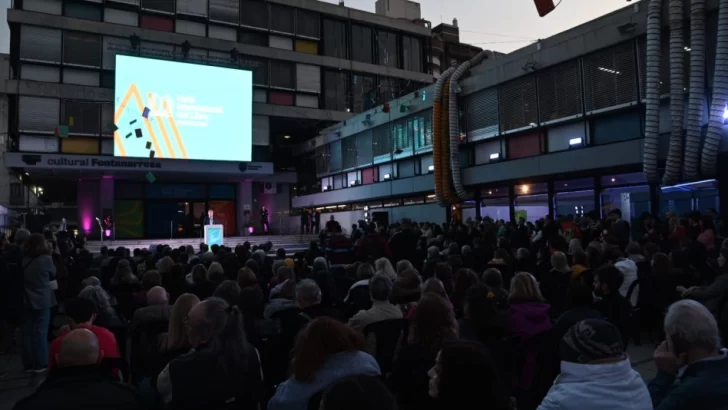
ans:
(80, 382)
(615, 307)
(264, 218)
(403, 243)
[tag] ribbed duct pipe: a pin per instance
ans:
(448, 195)
(454, 126)
(696, 100)
(720, 93)
(673, 169)
(437, 132)
(652, 90)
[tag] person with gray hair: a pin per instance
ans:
(692, 356)
(308, 293)
(79, 382)
(380, 288)
(320, 264)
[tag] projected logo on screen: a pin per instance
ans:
(165, 109)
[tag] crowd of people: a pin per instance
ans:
(414, 316)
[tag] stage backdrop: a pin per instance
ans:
(225, 214)
(167, 109)
(129, 219)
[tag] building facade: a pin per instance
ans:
(553, 128)
(447, 50)
(313, 64)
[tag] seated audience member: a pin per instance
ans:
(308, 299)
(222, 366)
(251, 296)
(595, 372)
(283, 274)
(229, 291)
(81, 314)
(692, 369)
(579, 305)
(151, 279)
(529, 316)
(358, 393)
(464, 378)
(201, 287)
(615, 308)
(407, 290)
(106, 316)
(529, 310)
(175, 342)
(286, 300)
(380, 287)
(157, 310)
(79, 382)
(325, 352)
(482, 320)
(432, 326)
(493, 279)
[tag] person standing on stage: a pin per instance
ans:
(316, 217)
(304, 221)
(264, 218)
(210, 218)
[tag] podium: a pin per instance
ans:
(214, 235)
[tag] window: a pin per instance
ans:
(307, 46)
(40, 44)
(166, 6)
(222, 32)
(81, 49)
(388, 51)
(412, 53)
(335, 39)
(192, 7)
(348, 150)
(322, 159)
(336, 90)
(381, 141)
(335, 161)
(224, 10)
(281, 18)
(86, 117)
(421, 126)
(388, 89)
(307, 23)
(254, 38)
(363, 92)
(84, 11)
(282, 74)
(128, 18)
(254, 13)
(258, 66)
(156, 23)
(38, 115)
(33, 72)
(361, 39)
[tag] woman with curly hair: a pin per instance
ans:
(431, 327)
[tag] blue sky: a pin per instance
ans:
(501, 25)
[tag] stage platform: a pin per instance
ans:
(291, 243)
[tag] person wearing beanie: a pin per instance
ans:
(595, 370)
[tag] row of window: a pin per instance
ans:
(412, 136)
(340, 39)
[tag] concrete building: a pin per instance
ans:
(314, 64)
(447, 50)
(553, 128)
(399, 9)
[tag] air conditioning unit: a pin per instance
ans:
(270, 188)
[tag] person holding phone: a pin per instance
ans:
(692, 365)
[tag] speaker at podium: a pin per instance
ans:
(214, 235)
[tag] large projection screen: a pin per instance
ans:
(182, 111)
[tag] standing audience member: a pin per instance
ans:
(222, 366)
(79, 382)
(614, 306)
(464, 378)
(38, 271)
(579, 305)
(325, 352)
(595, 372)
(692, 367)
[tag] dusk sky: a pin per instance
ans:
(500, 25)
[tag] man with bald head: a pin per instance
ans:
(80, 382)
(81, 314)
